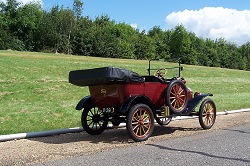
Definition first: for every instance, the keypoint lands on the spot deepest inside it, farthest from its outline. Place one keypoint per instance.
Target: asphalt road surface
(229, 146)
(181, 142)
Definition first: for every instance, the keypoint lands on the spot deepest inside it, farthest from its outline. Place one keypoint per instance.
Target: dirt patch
(35, 150)
(4, 93)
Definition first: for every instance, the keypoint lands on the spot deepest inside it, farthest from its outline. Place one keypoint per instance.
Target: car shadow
(110, 135)
(161, 130)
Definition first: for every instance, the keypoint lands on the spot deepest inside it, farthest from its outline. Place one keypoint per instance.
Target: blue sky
(145, 13)
(229, 19)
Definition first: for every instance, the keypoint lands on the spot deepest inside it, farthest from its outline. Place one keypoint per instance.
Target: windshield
(168, 70)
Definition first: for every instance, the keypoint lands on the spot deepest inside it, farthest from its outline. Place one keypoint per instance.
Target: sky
(228, 19)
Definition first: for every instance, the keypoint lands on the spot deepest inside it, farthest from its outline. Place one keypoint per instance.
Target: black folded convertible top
(103, 76)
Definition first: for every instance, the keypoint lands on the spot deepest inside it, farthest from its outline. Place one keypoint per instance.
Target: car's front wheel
(207, 114)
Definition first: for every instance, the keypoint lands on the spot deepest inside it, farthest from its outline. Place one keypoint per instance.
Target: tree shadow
(198, 152)
(240, 131)
(110, 135)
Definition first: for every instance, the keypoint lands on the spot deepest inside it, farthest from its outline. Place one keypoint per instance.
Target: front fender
(192, 104)
(131, 101)
(85, 102)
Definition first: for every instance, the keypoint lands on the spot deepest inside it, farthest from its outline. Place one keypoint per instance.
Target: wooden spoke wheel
(176, 97)
(207, 114)
(94, 120)
(140, 122)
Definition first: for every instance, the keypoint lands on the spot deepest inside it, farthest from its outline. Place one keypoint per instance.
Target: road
(114, 146)
(229, 146)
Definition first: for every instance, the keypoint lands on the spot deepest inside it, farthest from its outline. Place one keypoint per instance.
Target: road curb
(10, 137)
(39, 134)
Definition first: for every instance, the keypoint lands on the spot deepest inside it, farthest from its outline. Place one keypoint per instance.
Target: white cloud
(214, 22)
(134, 26)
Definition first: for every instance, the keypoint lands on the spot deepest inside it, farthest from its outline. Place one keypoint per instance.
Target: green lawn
(35, 94)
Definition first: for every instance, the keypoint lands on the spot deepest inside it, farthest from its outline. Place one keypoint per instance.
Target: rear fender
(85, 102)
(192, 104)
(131, 101)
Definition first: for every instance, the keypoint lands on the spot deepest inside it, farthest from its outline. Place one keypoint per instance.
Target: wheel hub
(140, 122)
(177, 96)
(96, 118)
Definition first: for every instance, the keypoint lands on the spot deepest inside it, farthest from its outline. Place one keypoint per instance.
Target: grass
(35, 94)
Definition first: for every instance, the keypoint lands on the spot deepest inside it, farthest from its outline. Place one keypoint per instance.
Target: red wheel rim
(141, 122)
(177, 96)
(208, 114)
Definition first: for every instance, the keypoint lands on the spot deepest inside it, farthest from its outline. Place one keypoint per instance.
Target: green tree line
(27, 27)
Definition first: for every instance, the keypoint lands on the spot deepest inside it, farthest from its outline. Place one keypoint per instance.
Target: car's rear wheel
(207, 114)
(94, 120)
(140, 122)
(176, 96)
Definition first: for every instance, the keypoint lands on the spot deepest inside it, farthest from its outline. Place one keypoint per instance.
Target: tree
(28, 18)
(10, 10)
(8, 24)
(127, 36)
(83, 37)
(160, 41)
(78, 8)
(245, 52)
(222, 52)
(144, 47)
(56, 28)
(211, 53)
(111, 39)
(180, 46)
(48, 36)
(102, 43)
(234, 57)
(64, 30)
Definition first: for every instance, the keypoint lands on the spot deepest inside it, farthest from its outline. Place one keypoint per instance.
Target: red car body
(106, 96)
(119, 95)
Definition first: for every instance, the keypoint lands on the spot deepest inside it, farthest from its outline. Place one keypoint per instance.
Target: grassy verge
(35, 94)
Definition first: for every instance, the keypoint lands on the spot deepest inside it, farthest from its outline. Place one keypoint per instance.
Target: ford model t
(118, 95)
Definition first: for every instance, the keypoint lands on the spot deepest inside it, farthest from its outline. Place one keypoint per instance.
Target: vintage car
(121, 96)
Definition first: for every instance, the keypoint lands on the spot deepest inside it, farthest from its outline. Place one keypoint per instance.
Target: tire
(207, 114)
(94, 121)
(162, 120)
(140, 122)
(176, 97)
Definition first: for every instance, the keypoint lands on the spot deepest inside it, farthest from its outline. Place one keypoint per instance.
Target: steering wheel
(160, 73)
